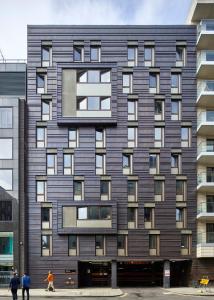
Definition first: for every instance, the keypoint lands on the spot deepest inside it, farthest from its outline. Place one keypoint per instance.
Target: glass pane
(131, 188)
(126, 80)
(147, 214)
(93, 76)
(152, 80)
(45, 107)
(131, 133)
(45, 53)
(82, 213)
(126, 161)
(210, 145)
(40, 134)
(45, 242)
(179, 53)
(179, 187)
(6, 245)
(105, 213)
(82, 76)
(40, 187)
(72, 241)
(210, 174)
(131, 107)
(174, 160)
(45, 214)
(93, 103)
(82, 104)
(72, 134)
(105, 76)
(152, 241)
(210, 203)
(6, 179)
(104, 187)
(5, 210)
(131, 53)
(6, 148)
(105, 103)
(95, 53)
(148, 53)
(6, 117)
(99, 161)
(93, 213)
(99, 241)
(210, 116)
(50, 160)
(40, 81)
(158, 131)
(152, 161)
(179, 214)
(174, 80)
(184, 133)
(121, 241)
(158, 107)
(158, 187)
(99, 134)
(77, 188)
(131, 214)
(174, 107)
(67, 160)
(77, 53)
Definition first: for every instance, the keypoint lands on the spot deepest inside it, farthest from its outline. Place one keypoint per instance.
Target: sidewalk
(86, 292)
(209, 291)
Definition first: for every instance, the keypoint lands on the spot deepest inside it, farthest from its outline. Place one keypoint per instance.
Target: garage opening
(94, 274)
(132, 274)
(180, 273)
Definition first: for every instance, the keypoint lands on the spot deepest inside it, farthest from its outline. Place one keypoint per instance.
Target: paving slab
(86, 292)
(209, 291)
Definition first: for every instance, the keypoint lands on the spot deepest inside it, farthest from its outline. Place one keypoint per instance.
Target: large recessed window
(6, 243)
(5, 210)
(94, 76)
(6, 148)
(6, 117)
(6, 179)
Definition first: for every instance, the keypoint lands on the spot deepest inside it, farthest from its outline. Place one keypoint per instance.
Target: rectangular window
(210, 145)
(210, 204)
(127, 83)
(181, 190)
(209, 232)
(175, 83)
(41, 191)
(132, 190)
(180, 56)
(210, 174)
(154, 83)
(132, 110)
(149, 56)
(186, 244)
(94, 76)
(159, 137)
(127, 164)
(100, 245)
(132, 217)
(149, 217)
(6, 148)
(185, 137)
(72, 245)
(100, 164)
(73, 138)
(175, 163)
(41, 83)
(93, 103)
(46, 245)
(46, 110)
(51, 164)
(6, 117)
(132, 137)
(6, 179)
(132, 56)
(154, 244)
(122, 245)
(78, 190)
(46, 217)
(159, 190)
(180, 217)
(175, 110)
(159, 110)
(95, 53)
(105, 190)
(67, 164)
(46, 56)
(6, 211)
(154, 163)
(41, 137)
(100, 138)
(6, 243)
(78, 53)
(94, 213)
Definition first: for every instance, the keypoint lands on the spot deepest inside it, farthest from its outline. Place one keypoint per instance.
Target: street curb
(188, 294)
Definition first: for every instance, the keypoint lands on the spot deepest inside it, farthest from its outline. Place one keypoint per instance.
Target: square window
(6, 117)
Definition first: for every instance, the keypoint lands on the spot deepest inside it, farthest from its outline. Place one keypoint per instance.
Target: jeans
(23, 293)
(14, 294)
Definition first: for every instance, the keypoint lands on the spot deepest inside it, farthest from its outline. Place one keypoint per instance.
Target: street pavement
(135, 294)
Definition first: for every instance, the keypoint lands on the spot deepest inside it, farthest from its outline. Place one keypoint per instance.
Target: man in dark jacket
(14, 285)
(25, 285)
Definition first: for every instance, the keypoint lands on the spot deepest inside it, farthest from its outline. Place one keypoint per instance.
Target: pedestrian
(50, 280)
(25, 285)
(14, 285)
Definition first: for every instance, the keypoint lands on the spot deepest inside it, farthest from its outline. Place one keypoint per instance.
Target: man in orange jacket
(50, 280)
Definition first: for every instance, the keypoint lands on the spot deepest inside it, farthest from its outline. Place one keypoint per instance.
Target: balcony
(205, 153)
(206, 123)
(206, 35)
(205, 68)
(205, 93)
(205, 244)
(206, 212)
(205, 183)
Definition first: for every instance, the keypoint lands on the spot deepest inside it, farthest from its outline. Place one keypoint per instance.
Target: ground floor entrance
(94, 274)
(5, 275)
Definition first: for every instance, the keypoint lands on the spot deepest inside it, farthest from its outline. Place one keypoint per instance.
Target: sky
(16, 14)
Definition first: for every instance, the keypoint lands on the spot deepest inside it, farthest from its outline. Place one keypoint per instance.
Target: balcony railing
(205, 238)
(205, 25)
(205, 86)
(205, 178)
(205, 56)
(206, 116)
(206, 207)
(204, 147)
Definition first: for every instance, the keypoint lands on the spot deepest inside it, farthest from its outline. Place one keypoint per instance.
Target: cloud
(16, 14)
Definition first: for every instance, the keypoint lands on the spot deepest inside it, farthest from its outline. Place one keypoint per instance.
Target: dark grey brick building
(111, 170)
